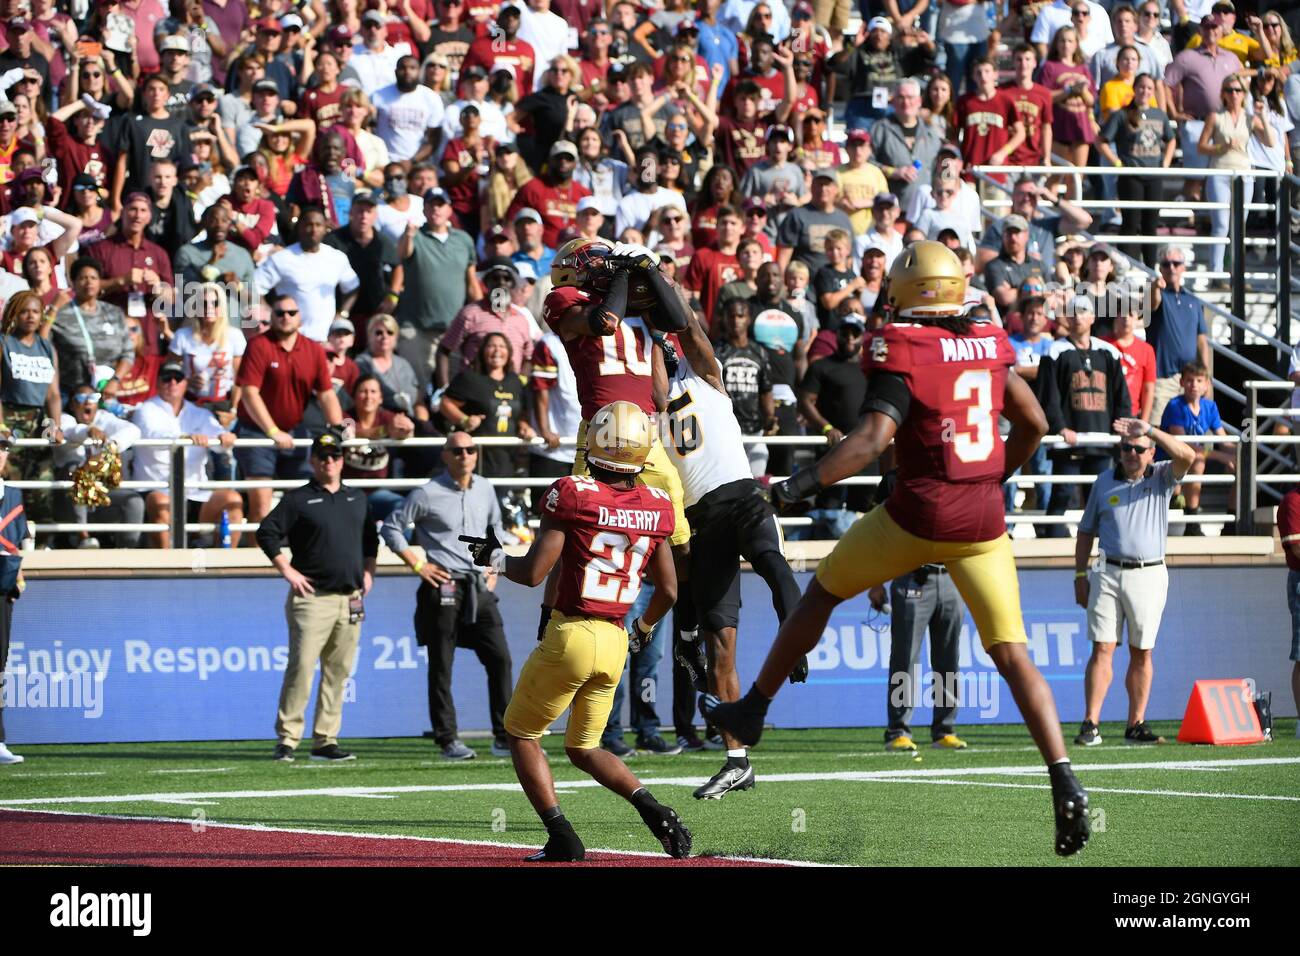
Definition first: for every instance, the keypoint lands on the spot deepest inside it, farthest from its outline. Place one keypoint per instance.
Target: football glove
(631, 255)
(639, 635)
(671, 361)
(690, 653)
(801, 485)
(486, 551)
(752, 510)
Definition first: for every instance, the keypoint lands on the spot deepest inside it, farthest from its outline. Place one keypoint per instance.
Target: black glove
(694, 660)
(671, 361)
(483, 550)
(752, 510)
(637, 638)
(801, 485)
(800, 673)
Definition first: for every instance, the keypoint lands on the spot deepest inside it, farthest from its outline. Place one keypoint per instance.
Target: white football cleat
(7, 756)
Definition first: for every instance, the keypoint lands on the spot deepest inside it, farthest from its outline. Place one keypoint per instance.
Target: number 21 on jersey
(614, 572)
(975, 386)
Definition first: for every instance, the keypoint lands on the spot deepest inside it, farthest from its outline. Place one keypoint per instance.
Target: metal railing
(181, 529)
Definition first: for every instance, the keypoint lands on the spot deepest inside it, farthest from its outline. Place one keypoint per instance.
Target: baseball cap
(590, 202)
(858, 135)
(526, 269)
(687, 26)
(21, 215)
(373, 16)
(84, 181)
(203, 89)
(138, 194)
(366, 196)
(174, 45)
(266, 86)
(327, 445)
(880, 23)
(497, 264)
(563, 147)
(779, 129)
(473, 72)
(270, 25)
(291, 21)
(853, 318)
(507, 7)
(496, 232)
(528, 213)
(172, 368)
(340, 36)
(885, 199)
(666, 253)
(436, 194)
(1223, 6)
(1081, 303)
(8, 109)
(1015, 222)
(508, 68)
(342, 325)
(20, 24)
(801, 11)
(827, 173)
(753, 203)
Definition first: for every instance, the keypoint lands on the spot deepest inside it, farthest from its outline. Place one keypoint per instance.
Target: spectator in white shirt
(1059, 14)
(85, 426)
(311, 272)
(882, 235)
(376, 62)
(548, 33)
(409, 115)
(636, 207)
(169, 415)
(473, 83)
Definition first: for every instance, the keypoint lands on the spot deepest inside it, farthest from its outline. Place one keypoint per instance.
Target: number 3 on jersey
(614, 572)
(975, 386)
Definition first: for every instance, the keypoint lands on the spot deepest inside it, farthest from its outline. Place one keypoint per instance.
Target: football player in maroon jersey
(937, 385)
(600, 530)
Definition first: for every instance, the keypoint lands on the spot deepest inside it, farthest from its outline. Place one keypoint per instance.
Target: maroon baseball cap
(858, 135)
(269, 24)
(340, 36)
(20, 24)
(801, 11)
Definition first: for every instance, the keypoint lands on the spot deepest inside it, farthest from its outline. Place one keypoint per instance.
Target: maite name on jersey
(969, 349)
(630, 518)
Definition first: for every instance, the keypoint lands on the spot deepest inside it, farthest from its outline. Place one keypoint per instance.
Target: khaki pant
(1166, 390)
(420, 348)
(318, 631)
(832, 14)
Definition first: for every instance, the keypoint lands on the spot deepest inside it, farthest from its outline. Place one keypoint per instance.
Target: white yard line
(32, 776)
(198, 827)
(849, 776)
(1092, 790)
(196, 770)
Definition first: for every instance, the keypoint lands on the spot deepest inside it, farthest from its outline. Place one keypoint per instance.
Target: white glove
(10, 77)
(633, 250)
(101, 110)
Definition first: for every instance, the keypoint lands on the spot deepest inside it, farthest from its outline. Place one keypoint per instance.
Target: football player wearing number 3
(937, 385)
(600, 532)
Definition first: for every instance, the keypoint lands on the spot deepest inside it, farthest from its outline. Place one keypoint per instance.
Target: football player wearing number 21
(937, 384)
(598, 531)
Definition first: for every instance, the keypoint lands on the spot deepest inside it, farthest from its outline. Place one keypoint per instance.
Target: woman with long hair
(1226, 141)
(371, 420)
(464, 159)
(758, 23)
(1065, 74)
(88, 206)
(211, 349)
(30, 399)
(720, 188)
(1118, 92)
(380, 359)
(100, 77)
(286, 152)
(29, 127)
(1266, 100)
(489, 400)
(354, 113)
(1279, 38)
(938, 108)
(39, 271)
(509, 172)
(140, 382)
(436, 75)
(1099, 282)
(604, 175)
(1139, 135)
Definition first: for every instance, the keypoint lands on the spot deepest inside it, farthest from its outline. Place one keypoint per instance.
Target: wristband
(1080, 574)
(273, 432)
(418, 566)
(827, 428)
(642, 628)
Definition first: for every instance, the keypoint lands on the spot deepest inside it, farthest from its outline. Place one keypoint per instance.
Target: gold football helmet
(927, 280)
(619, 438)
(578, 262)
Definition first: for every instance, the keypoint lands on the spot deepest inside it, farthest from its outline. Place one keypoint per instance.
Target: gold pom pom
(101, 473)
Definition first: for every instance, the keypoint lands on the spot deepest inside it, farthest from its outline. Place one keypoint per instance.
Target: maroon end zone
(57, 839)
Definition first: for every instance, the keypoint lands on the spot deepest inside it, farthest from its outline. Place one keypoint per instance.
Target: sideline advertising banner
(202, 657)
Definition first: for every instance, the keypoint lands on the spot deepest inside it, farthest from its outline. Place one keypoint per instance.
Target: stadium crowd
(376, 190)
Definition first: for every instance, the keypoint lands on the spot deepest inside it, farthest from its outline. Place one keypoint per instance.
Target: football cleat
(669, 830)
(949, 742)
(725, 780)
(741, 718)
(1140, 733)
(899, 745)
(562, 846)
(1089, 734)
(800, 673)
(1070, 803)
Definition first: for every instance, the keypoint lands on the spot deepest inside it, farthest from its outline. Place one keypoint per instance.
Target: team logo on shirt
(160, 143)
(879, 349)
(1113, 500)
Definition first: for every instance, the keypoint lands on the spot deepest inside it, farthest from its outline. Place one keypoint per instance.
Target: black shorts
(717, 547)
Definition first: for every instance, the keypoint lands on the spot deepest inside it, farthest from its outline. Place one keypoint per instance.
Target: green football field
(823, 796)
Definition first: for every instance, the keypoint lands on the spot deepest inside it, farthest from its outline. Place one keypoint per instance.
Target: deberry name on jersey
(701, 435)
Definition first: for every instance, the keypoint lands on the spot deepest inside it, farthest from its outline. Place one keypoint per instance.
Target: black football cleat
(729, 778)
(743, 718)
(669, 830)
(562, 846)
(1073, 828)
(800, 673)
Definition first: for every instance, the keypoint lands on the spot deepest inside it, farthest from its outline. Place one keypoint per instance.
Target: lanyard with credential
(90, 345)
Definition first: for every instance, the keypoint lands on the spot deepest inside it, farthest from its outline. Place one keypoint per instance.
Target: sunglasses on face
(1082, 13)
(87, 398)
(1129, 448)
(1233, 89)
(1172, 263)
(133, 330)
(91, 75)
(463, 452)
(672, 218)
(329, 454)
(382, 330)
(1273, 24)
(284, 312)
(8, 119)
(171, 378)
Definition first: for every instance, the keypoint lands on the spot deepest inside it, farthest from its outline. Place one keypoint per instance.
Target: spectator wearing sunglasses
(140, 382)
(455, 604)
(86, 428)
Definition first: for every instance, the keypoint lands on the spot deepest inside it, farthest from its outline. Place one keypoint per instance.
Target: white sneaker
(7, 756)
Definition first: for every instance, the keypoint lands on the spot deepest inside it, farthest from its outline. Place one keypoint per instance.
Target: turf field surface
(823, 797)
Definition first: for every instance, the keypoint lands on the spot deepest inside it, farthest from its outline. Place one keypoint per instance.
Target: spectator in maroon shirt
(281, 372)
(75, 140)
(254, 213)
(137, 273)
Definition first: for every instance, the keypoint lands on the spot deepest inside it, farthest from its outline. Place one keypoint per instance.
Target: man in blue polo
(1177, 331)
(1129, 510)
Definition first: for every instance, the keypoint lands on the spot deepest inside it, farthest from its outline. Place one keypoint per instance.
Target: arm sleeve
(888, 393)
(670, 313)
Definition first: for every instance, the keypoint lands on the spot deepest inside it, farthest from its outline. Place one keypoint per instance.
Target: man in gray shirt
(1129, 509)
(454, 605)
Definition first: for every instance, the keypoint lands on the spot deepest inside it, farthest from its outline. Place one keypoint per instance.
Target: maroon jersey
(609, 538)
(985, 125)
(1034, 107)
(950, 455)
(607, 368)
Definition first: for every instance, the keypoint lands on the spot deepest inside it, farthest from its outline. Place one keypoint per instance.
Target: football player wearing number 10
(600, 532)
(937, 385)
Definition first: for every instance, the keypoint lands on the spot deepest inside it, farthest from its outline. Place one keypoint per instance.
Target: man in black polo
(334, 547)
(373, 256)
